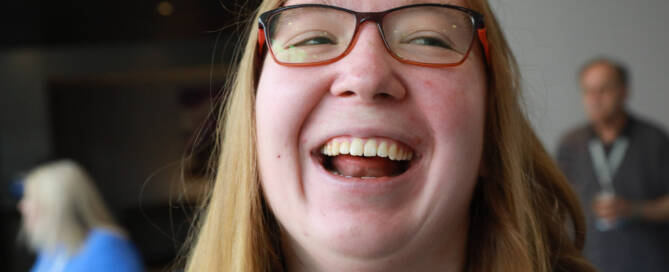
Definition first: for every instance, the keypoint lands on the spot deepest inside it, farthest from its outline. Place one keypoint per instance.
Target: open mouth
(365, 158)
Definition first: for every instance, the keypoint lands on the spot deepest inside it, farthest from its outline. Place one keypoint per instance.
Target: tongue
(365, 166)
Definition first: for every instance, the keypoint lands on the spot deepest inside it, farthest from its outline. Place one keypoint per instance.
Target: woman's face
(368, 206)
(29, 210)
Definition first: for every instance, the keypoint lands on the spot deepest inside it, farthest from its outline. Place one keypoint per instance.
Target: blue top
(102, 251)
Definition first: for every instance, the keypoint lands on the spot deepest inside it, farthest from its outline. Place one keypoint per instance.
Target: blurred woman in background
(66, 222)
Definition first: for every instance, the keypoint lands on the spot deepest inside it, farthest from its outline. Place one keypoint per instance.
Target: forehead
(375, 5)
(600, 70)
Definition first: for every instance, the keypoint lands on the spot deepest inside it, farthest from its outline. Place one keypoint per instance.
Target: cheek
(284, 103)
(276, 128)
(588, 99)
(278, 118)
(453, 107)
(609, 100)
(282, 106)
(454, 104)
(591, 100)
(616, 99)
(31, 214)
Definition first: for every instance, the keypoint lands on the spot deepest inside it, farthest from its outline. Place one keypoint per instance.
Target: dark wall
(103, 83)
(63, 23)
(125, 125)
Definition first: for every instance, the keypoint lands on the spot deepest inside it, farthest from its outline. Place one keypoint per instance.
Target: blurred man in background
(619, 166)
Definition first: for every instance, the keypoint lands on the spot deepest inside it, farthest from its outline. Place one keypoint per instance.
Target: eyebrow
(331, 2)
(402, 3)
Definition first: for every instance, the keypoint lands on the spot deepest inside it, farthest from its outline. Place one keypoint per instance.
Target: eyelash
(310, 41)
(429, 41)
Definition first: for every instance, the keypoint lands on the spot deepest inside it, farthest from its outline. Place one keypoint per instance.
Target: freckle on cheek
(278, 156)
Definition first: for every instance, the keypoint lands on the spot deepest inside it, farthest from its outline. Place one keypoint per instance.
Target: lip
(371, 186)
(354, 185)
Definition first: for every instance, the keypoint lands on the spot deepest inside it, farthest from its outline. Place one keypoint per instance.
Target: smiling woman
(382, 136)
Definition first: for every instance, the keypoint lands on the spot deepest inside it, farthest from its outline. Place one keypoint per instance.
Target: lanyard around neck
(605, 168)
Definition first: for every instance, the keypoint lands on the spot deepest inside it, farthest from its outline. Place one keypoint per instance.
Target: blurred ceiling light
(165, 8)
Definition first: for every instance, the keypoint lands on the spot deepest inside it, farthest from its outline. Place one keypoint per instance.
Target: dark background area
(59, 23)
(122, 87)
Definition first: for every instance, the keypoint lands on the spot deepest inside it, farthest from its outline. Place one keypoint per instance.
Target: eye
(315, 40)
(429, 41)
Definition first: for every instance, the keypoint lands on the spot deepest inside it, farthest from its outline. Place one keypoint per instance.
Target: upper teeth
(368, 148)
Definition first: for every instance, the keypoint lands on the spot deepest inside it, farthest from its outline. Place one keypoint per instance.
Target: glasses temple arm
(261, 41)
(483, 38)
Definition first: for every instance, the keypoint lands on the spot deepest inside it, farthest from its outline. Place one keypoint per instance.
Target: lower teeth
(399, 169)
(339, 174)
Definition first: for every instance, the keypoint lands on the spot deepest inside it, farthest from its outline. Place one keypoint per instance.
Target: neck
(608, 130)
(445, 252)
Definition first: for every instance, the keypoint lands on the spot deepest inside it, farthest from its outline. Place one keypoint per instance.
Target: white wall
(552, 39)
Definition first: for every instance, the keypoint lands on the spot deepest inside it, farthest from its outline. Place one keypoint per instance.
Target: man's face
(603, 93)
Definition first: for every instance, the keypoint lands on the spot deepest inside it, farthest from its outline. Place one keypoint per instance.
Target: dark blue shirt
(643, 175)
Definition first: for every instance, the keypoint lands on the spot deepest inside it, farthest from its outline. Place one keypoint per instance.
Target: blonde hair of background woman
(524, 216)
(69, 207)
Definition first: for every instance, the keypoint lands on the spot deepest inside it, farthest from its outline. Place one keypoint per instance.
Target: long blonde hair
(69, 207)
(520, 210)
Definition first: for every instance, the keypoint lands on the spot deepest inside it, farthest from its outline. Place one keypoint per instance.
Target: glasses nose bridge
(369, 16)
(362, 17)
(376, 17)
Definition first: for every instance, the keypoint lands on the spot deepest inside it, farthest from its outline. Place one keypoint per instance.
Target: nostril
(383, 96)
(377, 96)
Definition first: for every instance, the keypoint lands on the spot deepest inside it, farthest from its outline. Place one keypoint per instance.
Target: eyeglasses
(433, 35)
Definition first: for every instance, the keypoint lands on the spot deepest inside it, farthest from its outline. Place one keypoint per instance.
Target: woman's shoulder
(105, 236)
(107, 240)
(105, 247)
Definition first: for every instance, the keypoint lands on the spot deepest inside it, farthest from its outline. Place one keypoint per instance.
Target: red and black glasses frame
(377, 17)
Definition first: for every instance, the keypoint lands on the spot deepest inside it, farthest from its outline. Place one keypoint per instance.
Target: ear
(625, 92)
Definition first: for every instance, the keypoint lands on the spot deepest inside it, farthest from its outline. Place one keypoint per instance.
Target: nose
(368, 73)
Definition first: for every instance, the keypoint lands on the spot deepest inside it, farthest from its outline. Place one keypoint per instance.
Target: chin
(350, 236)
(359, 215)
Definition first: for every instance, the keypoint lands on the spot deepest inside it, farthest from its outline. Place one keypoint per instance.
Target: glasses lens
(433, 35)
(310, 34)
